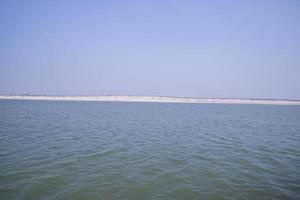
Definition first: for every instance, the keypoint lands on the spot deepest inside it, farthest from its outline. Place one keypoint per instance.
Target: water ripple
(94, 150)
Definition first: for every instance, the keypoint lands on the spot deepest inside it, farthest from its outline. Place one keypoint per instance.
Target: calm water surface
(102, 150)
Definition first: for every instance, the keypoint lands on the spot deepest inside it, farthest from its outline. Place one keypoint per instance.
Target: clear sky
(210, 48)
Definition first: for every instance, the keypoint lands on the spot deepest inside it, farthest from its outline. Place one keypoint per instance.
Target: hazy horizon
(213, 49)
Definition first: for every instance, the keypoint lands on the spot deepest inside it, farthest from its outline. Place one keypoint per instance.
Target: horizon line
(143, 95)
(159, 98)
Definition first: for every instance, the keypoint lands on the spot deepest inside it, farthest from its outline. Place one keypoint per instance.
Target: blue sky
(171, 48)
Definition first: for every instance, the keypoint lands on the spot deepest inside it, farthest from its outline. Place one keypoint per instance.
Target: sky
(215, 48)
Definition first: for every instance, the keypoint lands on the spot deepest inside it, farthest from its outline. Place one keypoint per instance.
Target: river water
(111, 150)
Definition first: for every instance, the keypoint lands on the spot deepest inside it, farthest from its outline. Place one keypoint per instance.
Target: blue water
(102, 150)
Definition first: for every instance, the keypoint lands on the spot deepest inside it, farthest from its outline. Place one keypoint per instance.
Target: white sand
(155, 99)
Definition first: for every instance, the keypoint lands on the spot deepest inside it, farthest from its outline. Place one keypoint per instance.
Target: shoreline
(157, 99)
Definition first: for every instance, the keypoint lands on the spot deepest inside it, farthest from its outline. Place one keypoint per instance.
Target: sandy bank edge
(153, 99)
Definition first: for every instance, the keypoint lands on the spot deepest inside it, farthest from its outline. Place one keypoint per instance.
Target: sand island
(160, 99)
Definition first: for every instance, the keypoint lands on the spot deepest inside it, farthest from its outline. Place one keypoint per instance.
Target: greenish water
(95, 150)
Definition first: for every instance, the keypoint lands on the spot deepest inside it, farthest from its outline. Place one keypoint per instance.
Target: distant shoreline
(158, 99)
